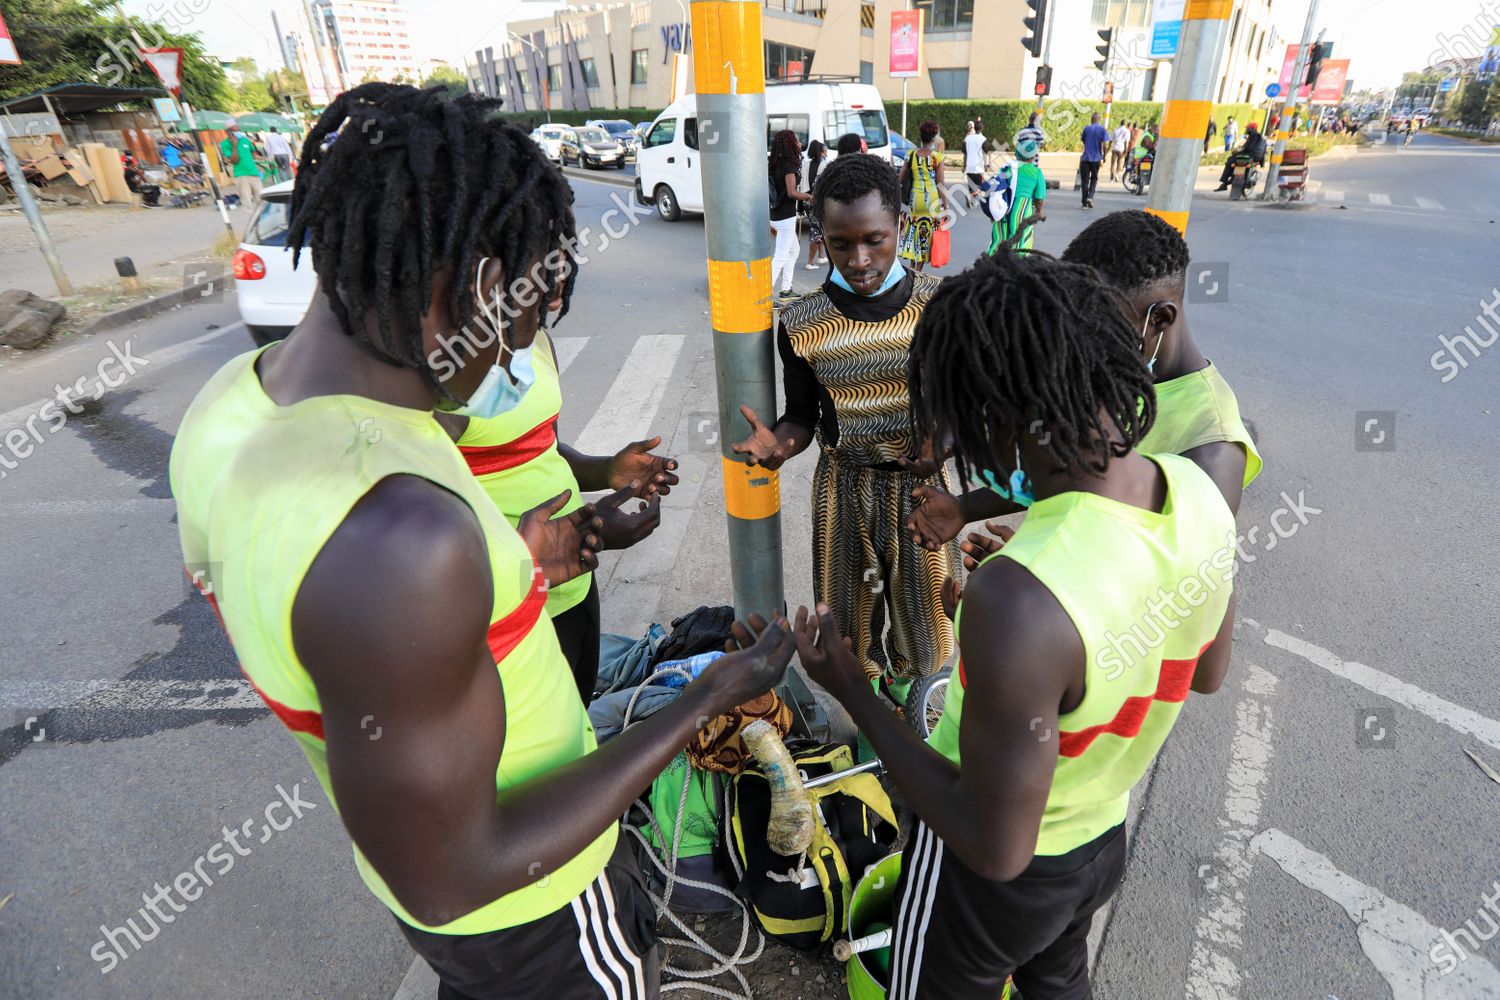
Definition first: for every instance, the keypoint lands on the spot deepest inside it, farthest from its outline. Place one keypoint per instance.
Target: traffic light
(1035, 24)
(1043, 81)
(1107, 36)
(1314, 63)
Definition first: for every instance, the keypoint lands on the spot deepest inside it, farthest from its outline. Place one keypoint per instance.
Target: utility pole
(729, 73)
(1288, 100)
(1184, 120)
(33, 214)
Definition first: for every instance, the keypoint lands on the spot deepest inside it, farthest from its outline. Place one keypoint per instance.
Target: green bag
(803, 901)
(700, 817)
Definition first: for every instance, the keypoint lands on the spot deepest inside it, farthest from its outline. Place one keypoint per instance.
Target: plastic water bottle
(694, 665)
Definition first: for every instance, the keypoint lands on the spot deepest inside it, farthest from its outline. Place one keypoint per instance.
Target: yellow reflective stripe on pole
(739, 299)
(728, 34)
(1207, 10)
(1177, 220)
(1276, 157)
(750, 491)
(1185, 119)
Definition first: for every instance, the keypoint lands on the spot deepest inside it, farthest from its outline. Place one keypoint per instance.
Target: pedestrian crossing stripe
(1380, 199)
(1429, 203)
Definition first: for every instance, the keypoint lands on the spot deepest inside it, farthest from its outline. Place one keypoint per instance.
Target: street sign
(1273, 89)
(906, 43)
(166, 109)
(8, 54)
(1166, 27)
(167, 65)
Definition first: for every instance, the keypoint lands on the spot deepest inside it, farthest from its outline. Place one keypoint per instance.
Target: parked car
(668, 165)
(592, 147)
(619, 129)
(550, 138)
(272, 295)
(901, 148)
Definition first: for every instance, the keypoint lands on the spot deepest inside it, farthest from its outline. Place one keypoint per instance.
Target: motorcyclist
(1254, 146)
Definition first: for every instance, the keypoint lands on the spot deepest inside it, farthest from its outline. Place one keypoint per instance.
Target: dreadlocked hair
(1132, 249)
(395, 183)
(1019, 339)
(852, 176)
(784, 151)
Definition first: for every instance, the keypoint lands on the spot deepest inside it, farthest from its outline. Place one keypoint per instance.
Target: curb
(142, 310)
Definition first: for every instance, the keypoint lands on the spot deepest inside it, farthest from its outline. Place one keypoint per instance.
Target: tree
(448, 77)
(1471, 107)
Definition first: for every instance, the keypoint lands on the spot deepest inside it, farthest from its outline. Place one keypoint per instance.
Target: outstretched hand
(825, 654)
(936, 519)
(621, 528)
(653, 474)
(755, 660)
(563, 547)
(762, 447)
(978, 546)
(927, 462)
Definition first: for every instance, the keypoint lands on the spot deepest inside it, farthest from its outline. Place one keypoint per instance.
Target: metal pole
(23, 195)
(1298, 71)
(1041, 99)
(185, 111)
(729, 74)
(1179, 145)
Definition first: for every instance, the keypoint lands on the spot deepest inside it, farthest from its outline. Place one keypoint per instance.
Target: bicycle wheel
(925, 701)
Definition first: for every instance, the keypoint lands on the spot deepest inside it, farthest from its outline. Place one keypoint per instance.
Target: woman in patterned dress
(928, 202)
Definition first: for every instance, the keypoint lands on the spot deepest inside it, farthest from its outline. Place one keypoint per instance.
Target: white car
(550, 138)
(273, 296)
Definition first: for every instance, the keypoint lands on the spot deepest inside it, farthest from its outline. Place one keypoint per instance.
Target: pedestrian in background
(280, 152)
(1119, 142)
(926, 199)
(1135, 134)
(1208, 136)
(238, 154)
(1231, 134)
(1094, 138)
(1017, 227)
(816, 154)
(786, 170)
(974, 160)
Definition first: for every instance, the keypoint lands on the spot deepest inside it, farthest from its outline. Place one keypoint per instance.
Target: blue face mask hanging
(1016, 492)
(892, 279)
(500, 391)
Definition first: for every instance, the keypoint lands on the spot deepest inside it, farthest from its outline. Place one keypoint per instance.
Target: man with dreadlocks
(844, 354)
(379, 602)
(1197, 415)
(1022, 791)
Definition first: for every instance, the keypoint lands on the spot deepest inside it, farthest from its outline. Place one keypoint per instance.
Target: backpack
(805, 901)
(998, 193)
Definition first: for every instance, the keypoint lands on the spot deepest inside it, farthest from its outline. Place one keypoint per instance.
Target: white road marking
(168, 355)
(1429, 203)
(1398, 941)
(1454, 716)
(567, 350)
(1333, 196)
(1380, 199)
(145, 695)
(631, 403)
(1212, 973)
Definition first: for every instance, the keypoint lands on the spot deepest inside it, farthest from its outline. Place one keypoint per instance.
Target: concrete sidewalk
(88, 240)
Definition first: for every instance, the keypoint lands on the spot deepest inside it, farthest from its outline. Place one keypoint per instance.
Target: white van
(668, 164)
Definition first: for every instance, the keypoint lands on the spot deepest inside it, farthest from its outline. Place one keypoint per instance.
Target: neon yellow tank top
(260, 489)
(515, 458)
(1107, 563)
(1196, 409)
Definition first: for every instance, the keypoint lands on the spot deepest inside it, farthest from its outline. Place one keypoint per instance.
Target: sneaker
(1222, 187)
(811, 267)
(787, 294)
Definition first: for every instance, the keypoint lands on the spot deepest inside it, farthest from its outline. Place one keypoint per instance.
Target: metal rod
(185, 112)
(1289, 99)
(828, 779)
(1179, 146)
(22, 191)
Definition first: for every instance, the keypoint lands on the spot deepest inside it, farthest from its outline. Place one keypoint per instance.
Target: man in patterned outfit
(844, 355)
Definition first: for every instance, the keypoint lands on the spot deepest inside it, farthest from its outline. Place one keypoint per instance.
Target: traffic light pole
(729, 75)
(1289, 99)
(1179, 147)
(22, 191)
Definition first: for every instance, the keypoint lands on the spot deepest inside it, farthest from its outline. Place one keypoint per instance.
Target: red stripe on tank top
(494, 458)
(1172, 686)
(506, 634)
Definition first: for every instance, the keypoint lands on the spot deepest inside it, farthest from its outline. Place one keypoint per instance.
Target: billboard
(1289, 66)
(1330, 86)
(1489, 63)
(906, 43)
(8, 54)
(1166, 27)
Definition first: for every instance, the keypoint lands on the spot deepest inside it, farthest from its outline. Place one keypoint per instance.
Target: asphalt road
(1310, 831)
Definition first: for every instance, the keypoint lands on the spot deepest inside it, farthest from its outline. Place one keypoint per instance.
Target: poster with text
(906, 43)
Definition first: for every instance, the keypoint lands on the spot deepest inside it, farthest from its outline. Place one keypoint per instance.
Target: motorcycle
(1245, 176)
(1138, 174)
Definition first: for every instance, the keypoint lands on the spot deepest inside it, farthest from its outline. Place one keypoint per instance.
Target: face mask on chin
(892, 279)
(500, 391)
(1016, 488)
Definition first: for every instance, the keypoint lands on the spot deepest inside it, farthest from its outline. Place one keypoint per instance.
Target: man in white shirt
(1117, 143)
(974, 160)
(278, 149)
